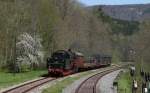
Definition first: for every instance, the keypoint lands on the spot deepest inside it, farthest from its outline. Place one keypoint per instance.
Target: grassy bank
(124, 83)
(9, 79)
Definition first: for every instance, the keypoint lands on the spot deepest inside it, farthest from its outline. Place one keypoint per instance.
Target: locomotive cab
(78, 62)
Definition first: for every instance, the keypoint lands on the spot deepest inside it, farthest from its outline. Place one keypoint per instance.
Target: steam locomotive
(66, 62)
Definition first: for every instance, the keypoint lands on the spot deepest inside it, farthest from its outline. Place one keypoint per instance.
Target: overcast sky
(113, 2)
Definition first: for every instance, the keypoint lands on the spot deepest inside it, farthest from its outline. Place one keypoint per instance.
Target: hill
(137, 12)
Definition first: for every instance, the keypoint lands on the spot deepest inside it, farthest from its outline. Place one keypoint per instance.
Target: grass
(124, 83)
(59, 86)
(9, 79)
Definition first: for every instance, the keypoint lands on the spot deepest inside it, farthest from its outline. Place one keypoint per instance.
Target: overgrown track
(29, 86)
(89, 85)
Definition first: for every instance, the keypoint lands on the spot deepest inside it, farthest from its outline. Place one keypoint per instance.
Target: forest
(31, 30)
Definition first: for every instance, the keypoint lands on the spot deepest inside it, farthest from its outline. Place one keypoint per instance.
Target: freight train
(66, 62)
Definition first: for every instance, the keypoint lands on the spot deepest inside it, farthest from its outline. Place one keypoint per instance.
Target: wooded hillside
(30, 30)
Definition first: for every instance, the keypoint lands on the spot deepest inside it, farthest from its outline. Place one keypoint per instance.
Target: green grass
(9, 79)
(124, 83)
(59, 86)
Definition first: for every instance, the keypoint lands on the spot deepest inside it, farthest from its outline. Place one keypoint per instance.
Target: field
(9, 79)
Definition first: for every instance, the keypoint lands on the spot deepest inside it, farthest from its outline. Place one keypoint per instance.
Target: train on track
(66, 62)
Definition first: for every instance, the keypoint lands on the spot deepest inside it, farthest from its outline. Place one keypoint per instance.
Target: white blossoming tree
(29, 52)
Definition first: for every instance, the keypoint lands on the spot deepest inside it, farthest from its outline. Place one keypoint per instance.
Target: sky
(112, 2)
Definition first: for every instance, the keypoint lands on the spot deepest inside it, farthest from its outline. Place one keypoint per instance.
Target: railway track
(89, 85)
(29, 86)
